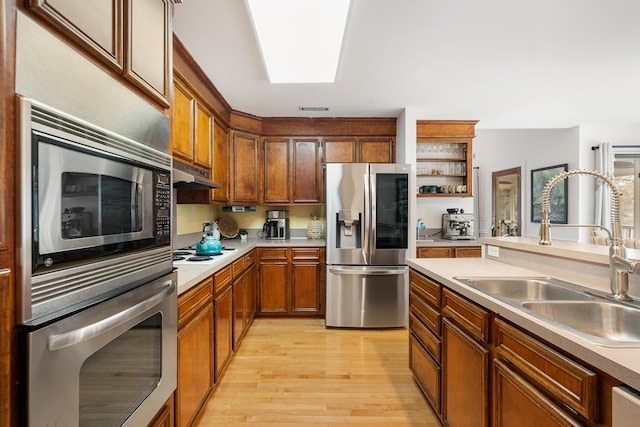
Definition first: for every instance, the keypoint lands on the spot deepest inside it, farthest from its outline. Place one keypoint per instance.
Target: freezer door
(367, 297)
(389, 186)
(347, 220)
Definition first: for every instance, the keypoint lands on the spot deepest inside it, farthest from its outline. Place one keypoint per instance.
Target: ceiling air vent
(313, 108)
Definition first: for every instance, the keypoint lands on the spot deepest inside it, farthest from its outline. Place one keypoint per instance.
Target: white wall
(499, 149)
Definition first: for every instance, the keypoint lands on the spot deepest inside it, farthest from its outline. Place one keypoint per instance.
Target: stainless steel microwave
(95, 211)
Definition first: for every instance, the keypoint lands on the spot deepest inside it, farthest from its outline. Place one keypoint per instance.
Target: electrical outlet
(493, 251)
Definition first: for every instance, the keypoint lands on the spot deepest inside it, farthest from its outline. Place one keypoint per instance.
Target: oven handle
(67, 339)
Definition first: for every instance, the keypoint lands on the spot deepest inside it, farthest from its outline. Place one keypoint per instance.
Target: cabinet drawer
(427, 373)
(468, 252)
(430, 342)
(423, 311)
(467, 315)
(191, 301)
(554, 374)
(435, 252)
(237, 267)
(273, 254)
(222, 279)
(305, 254)
(427, 289)
(250, 259)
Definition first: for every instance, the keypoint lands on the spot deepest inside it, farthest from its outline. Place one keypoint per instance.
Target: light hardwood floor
(295, 372)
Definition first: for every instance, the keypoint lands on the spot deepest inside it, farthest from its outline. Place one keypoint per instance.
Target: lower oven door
(109, 365)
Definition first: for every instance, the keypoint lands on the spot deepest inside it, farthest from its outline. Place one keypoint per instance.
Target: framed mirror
(506, 202)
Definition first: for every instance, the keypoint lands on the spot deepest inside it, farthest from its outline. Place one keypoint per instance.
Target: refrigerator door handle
(366, 218)
(368, 271)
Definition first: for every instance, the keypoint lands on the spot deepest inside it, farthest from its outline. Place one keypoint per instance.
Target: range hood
(189, 178)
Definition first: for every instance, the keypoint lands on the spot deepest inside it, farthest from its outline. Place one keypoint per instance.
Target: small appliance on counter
(457, 226)
(276, 225)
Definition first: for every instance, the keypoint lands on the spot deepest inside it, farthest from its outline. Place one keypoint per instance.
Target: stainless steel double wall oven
(97, 297)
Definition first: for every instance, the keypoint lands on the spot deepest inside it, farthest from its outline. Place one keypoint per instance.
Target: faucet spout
(619, 265)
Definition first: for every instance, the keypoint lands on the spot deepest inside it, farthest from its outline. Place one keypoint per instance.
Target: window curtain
(604, 165)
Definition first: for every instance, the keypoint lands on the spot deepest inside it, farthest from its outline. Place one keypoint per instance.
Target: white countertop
(192, 274)
(621, 363)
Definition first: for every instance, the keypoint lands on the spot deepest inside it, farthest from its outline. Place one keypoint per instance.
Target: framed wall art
(558, 197)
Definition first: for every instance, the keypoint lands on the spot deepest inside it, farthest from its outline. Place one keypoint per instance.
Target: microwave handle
(67, 339)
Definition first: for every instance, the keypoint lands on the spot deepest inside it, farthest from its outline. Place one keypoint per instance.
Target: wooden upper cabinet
(220, 163)
(204, 137)
(276, 165)
(307, 171)
(148, 46)
(182, 125)
(97, 28)
(192, 137)
(132, 37)
(339, 150)
(244, 168)
(376, 150)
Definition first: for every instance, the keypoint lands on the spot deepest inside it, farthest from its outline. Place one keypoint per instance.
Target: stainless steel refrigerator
(367, 243)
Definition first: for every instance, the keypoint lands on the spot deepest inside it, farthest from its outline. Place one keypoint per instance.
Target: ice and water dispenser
(349, 230)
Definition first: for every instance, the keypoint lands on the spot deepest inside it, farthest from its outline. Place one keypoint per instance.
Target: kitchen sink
(525, 289)
(601, 322)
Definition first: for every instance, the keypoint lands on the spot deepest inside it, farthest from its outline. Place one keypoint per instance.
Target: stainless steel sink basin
(601, 322)
(527, 288)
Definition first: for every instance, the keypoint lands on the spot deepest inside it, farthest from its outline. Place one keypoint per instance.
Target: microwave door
(75, 187)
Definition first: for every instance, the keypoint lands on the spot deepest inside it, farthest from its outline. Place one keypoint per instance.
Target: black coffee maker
(276, 225)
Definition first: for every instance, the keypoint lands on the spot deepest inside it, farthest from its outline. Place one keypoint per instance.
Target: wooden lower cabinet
(243, 303)
(195, 352)
(165, 416)
(465, 378)
(482, 370)
(449, 252)
(291, 281)
(223, 330)
(517, 403)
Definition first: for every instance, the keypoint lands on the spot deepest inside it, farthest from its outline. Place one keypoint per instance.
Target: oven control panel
(162, 209)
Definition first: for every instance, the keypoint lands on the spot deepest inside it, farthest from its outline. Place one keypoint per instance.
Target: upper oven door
(84, 198)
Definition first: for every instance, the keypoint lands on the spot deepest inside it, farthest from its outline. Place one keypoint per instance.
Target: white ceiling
(507, 63)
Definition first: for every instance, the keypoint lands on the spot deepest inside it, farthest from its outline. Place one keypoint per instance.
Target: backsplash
(190, 217)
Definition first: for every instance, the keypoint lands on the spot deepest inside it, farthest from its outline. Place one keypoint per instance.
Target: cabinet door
(274, 282)
(182, 126)
(465, 378)
(223, 330)
(204, 137)
(307, 171)
(239, 304)
(195, 367)
(277, 183)
(250, 283)
(305, 289)
(220, 163)
(97, 28)
(375, 150)
(338, 150)
(517, 403)
(244, 171)
(148, 46)
(165, 416)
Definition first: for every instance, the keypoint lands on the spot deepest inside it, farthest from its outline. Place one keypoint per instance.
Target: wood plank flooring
(296, 372)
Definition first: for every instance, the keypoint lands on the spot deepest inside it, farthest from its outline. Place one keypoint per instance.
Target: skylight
(300, 39)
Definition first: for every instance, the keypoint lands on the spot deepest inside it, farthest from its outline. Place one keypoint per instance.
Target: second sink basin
(526, 288)
(606, 323)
